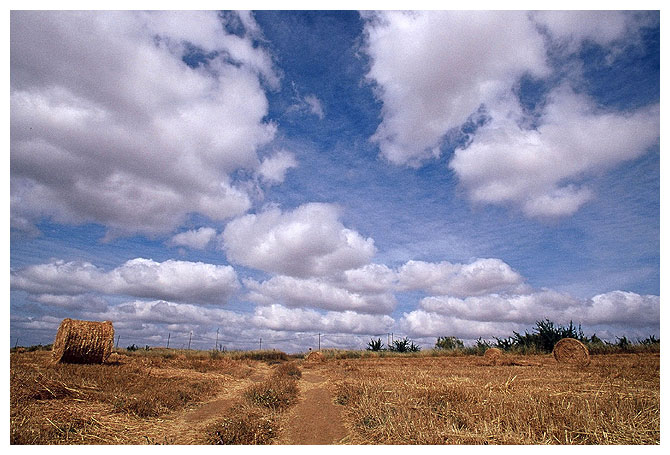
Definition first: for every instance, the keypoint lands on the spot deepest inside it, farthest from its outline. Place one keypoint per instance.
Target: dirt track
(314, 419)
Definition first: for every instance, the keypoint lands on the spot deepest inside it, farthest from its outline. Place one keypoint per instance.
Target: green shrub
(375, 345)
(448, 343)
(404, 345)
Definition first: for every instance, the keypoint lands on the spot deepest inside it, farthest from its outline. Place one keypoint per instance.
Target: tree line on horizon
(541, 340)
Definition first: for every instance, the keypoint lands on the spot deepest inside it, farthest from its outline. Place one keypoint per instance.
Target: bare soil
(315, 419)
(189, 426)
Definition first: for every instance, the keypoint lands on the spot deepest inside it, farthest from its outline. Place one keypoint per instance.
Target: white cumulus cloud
(538, 169)
(432, 70)
(435, 71)
(273, 168)
(110, 125)
(181, 281)
(571, 28)
(317, 293)
(497, 315)
(482, 276)
(196, 239)
(278, 317)
(307, 241)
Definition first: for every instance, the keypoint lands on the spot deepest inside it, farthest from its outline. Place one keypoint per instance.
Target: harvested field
(203, 399)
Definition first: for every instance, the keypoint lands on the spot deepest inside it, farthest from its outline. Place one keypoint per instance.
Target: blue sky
(279, 174)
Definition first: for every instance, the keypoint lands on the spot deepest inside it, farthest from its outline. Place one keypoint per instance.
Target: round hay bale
(571, 351)
(315, 356)
(493, 355)
(83, 341)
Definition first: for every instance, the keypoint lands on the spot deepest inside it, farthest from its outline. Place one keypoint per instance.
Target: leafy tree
(448, 343)
(504, 343)
(543, 338)
(624, 343)
(404, 345)
(375, 345)
(651, 339)
(595, 340)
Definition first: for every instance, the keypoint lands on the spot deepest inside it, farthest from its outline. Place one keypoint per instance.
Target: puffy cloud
(483, 276)
(420, 323)
(273, 168)
(506, 163)
(44, 323)
(432, 70)
(196, 239)
(85, 302)
(498, 315)
(371, 278)
(319, 293)
(172, 280)
(572, 27)
(525, 308)
(371, 288)
(278, 317)
(308, 241)
(429, 88)
(623, 308)
(162, 312)
(110, 125)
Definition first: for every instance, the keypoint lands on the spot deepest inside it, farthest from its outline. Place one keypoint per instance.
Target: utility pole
(189, 339)
(319, 342)
(168, 343)
(216, 344)
(260, 344)
(117, 341)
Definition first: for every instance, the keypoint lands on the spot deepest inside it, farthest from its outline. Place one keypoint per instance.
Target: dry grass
(246, 425)
(385, 399)
(462, 400)
(254, 419)
(58, 403)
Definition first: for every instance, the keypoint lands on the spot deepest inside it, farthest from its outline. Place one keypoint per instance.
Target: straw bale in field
(83, 341)
(493, 355)
(315, 356)
(569, 350)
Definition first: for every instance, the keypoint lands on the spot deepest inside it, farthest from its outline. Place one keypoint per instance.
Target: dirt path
(315, 419)
(188, 426)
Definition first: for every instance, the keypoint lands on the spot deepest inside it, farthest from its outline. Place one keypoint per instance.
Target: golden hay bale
(315, 356)
(493, 355)
(569, 350)
(83, 341)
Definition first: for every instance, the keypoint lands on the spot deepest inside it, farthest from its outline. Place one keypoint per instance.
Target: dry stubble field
(197, 398)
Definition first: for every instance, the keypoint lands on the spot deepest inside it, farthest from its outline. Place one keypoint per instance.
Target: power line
(218, 340)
